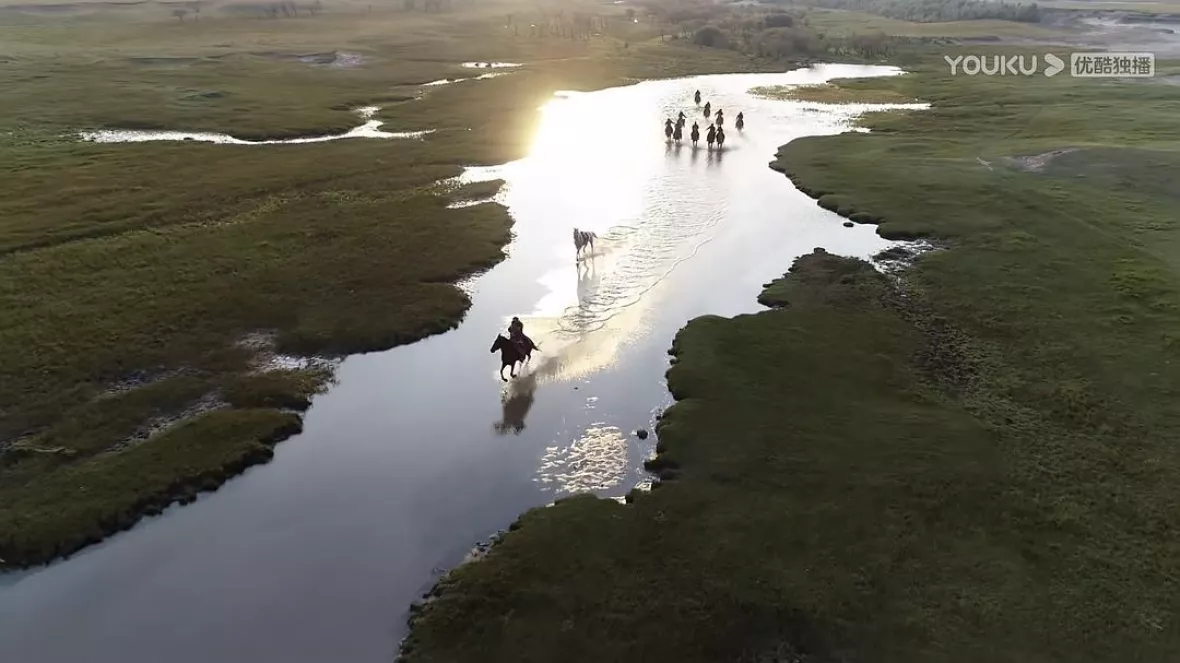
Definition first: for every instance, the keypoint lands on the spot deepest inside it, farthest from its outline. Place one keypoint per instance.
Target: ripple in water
(595, 461)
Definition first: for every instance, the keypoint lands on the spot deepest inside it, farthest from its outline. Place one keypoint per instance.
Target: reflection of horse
(515, 404)
(711, 136)
(720, 138)
(696, 134)
(741, 122)
(587, 282)
(510, 354)
(697, 97)
(582, 239)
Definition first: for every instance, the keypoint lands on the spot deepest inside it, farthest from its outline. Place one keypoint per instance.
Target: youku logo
(1081, 65)
(999, 65)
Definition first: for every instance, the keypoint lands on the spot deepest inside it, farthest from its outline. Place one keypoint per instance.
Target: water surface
(419, 452)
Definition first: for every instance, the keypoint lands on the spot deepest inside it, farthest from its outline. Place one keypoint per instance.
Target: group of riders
(714, 134)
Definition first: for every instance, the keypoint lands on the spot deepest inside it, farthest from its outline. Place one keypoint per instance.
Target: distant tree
(710, 36)
(780, 20)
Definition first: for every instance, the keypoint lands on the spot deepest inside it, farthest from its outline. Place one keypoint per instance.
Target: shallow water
(370, 129)
(419, 452)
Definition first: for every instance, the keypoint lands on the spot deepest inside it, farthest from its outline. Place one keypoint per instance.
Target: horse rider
(668, 126)
(741, 120)
(696, 132)
(680, 120)
(697, 97)
(720, 135)
(720, 118)
(711, 134)
(516, 335)
(708, 108)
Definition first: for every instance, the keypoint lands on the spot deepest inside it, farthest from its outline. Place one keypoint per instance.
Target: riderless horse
(696, 134)
(711, 136)
(582, 239)
(741, 122)
(511, 353)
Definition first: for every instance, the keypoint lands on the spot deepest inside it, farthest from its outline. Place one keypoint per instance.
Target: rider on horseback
(516, 335)
(697, 97)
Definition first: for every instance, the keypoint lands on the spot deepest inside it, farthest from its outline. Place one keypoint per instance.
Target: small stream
(419, 452)
(370, 129)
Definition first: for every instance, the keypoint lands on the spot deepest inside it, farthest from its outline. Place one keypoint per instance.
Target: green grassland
(142, 284)
(975, 462)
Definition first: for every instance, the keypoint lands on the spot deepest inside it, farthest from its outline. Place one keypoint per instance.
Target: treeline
(933, 11)
(778, 35)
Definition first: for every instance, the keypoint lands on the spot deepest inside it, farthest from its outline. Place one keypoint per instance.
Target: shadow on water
(516, 400)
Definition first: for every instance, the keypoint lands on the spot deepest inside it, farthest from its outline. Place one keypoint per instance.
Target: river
(417, 453)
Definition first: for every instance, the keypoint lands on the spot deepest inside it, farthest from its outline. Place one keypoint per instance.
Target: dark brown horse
(511, 353)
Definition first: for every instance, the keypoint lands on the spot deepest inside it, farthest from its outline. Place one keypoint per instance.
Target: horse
(697, 97)
(741, 122)
(668, 130)
(720, 118)
(582, 239)
(680, 121)
(708, 108)
(695, 135)
(510, 353)
(677, 134)
(720, 138)
(711, 136)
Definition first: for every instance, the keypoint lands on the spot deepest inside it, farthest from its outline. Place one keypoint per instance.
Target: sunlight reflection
(595, 461)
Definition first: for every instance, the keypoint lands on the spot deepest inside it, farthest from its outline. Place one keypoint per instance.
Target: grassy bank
(147, 286)
(978, 467)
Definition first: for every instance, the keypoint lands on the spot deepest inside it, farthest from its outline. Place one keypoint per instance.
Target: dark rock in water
(848, 224)
(642, 433)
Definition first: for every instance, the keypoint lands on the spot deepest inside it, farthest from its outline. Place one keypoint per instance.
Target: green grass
(982, 469)
(151, 263)
(111, 492)
(830, 93)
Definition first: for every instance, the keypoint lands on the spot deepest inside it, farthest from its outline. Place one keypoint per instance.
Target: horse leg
(502, 372)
